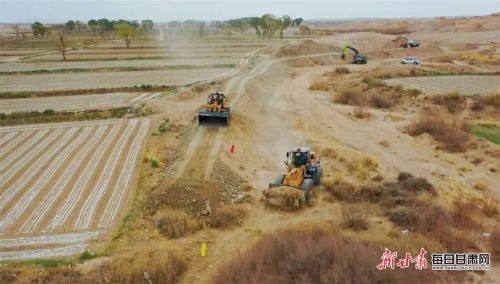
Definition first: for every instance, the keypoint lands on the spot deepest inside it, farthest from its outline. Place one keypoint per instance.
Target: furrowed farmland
(64, 184)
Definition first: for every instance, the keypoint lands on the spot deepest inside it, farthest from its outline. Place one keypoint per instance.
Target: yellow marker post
(203, 249)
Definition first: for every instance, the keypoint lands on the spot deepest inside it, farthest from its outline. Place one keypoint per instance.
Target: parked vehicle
(410, 60)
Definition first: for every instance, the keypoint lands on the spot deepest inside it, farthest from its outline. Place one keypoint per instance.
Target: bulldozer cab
(298, 157)
(216, 112)
(215, 98)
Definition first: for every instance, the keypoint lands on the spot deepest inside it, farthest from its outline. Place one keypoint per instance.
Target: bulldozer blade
(272, 184)
(217, 119)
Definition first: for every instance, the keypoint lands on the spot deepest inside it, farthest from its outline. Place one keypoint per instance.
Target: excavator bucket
(217, 119)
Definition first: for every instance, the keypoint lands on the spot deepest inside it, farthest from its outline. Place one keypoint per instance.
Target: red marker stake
(232, 149)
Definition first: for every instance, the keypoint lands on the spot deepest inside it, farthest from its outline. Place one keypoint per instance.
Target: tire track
(126, 175)
(42, 209)
(25, 201)
(76, 192)
(87, 212)
(191, 148)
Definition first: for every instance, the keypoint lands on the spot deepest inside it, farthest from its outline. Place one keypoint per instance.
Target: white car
(410, 60)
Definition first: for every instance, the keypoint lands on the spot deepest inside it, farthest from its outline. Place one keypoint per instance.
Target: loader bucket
(217, 119)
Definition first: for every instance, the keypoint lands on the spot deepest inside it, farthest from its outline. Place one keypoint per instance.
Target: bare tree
(62, 45)
(16, 29)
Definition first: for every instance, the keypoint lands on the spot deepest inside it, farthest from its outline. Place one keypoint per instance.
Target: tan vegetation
(175, 223)
(229, 216)
(361, 112)
(450, 133)
(311, 255)
(453, 102)
(342, 70)
(158, 265)
(355, 217)
(349, 96)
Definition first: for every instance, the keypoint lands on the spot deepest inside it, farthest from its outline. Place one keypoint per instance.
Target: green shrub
(49, 112)
(154, 163)
(118, 113)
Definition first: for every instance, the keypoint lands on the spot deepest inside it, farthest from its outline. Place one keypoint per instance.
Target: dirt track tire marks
(71, 201)
(42, 180)
(126, 175)
(88, 210)
(40, 212)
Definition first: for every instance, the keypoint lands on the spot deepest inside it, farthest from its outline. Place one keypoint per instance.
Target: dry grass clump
(461, 214)
(482, 103)
(342, 70)
(489, 205)
(453, 102)
(175, 223)
(361, 112)
(494, 241)
(319, 85)
(349, 96)
(229, 216)
(157, 265)
(284, 197)
(389, 194)
(312, 255)
(362, 168)
(412, 92)
(435, 223)
(329, 153)
(355, 217)
(382, 101)
(450, 133)
(373, 82)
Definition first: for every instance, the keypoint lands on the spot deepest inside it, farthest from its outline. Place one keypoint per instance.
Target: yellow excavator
(303, 170)
(216, 112)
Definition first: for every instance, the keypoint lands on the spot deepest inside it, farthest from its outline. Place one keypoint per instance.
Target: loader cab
(215, 97)
(298, 157)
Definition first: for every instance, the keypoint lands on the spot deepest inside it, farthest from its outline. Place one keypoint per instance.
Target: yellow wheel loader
(216, 112)
(303, 170)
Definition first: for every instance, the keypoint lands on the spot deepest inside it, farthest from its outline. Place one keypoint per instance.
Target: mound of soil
(188, 195)
(303, 47)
